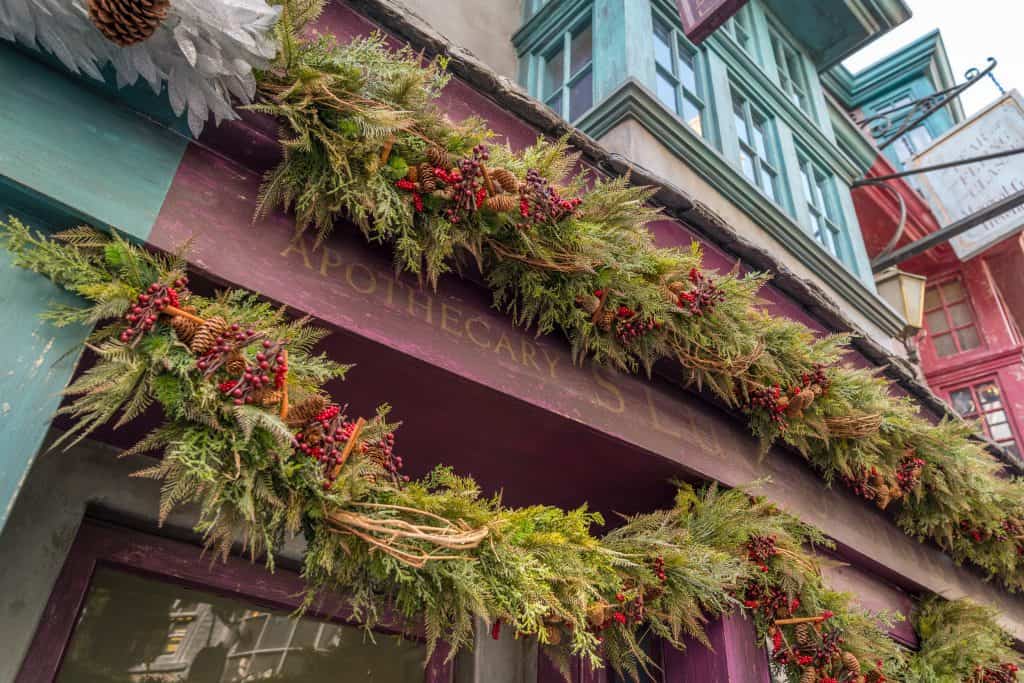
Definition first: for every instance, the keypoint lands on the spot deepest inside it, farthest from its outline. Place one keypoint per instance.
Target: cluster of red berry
(268, 371)
(702, 297)
(768, 400)
(630, 325)
(1004, 673)
(410, 186)
(324, 440)
(761, 549)
(908, 474)
(143, 314)
(861, 482)
(540, 203)
(468, 191)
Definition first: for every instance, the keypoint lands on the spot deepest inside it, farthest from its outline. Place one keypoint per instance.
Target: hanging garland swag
(250, 435)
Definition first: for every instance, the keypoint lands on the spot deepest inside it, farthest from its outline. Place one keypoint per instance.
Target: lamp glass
(905, 293)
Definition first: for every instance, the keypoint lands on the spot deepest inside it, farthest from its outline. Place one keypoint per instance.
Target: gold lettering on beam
(619, 406)
(504, 343)
(330, 258)
(427, 305)
(477, 321)
(368, 276)
(447, 317)
(389, 297)
(298, 245)
(552, 361)
(655, 420)
(529, 353)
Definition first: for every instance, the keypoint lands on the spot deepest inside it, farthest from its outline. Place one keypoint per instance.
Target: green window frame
(679, 83)
(566, 72)
(759, 159)
(824, 213)
(740, 28)
(791, 72)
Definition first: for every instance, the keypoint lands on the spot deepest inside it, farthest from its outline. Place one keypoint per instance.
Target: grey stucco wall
(484, 27)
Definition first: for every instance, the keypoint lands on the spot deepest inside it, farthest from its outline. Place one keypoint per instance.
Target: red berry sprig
(631, 325)
(268, 370)
(144, 313)
(908, 474)
(767, 400)
(539, 202)
(468, 192)
(702, 297)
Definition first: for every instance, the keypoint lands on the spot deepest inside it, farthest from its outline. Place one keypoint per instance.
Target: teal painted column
(72, 152)
(40, 361)
(623, 44)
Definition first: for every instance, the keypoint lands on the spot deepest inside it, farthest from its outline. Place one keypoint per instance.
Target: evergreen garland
(363, 141)
(237, 439)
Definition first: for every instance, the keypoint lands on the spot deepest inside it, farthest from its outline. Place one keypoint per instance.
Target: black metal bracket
(888, 125)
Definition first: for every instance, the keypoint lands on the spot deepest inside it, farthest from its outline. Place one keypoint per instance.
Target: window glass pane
(741, 120)
(931, 298)
(768, 183)
(127, 621)
(988, 396)
(662, 45)
(580, 51)
(952, 291)
(963, 402)
(687, 72)
(581, 96)
(805, 177)
(666, 90)
(748, 165)
(556, 103)
(277, 633)
(691, 114)
(553, 76)
(944, 345)
(968, 338)
(1001, 430)
(936, 321)
(759, 138)
(960, 314)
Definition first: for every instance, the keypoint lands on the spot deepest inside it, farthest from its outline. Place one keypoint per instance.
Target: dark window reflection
(142, 630)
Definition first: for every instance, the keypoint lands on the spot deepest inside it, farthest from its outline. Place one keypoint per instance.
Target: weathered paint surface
(40, 360)
(80, 149)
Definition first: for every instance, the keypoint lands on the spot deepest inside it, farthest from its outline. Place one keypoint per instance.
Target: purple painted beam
(734, 656)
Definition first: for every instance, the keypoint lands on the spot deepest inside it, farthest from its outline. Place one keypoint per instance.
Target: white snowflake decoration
(205, 50)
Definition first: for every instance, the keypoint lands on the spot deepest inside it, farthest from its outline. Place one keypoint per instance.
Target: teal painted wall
(73, 144)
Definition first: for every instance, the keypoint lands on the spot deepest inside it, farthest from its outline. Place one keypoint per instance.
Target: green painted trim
(851, 141)
(544, 26)
(633, 101)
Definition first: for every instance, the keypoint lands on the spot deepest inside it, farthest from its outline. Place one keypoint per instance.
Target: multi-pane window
(741, 28)
(567, 78)
(822, 207)
(678, 83)
(758, 158)
(983, 401)
(792, 77)
(949, 319)
(911, 143)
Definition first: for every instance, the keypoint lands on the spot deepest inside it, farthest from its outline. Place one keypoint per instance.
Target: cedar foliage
(540, 572)
(343, 106)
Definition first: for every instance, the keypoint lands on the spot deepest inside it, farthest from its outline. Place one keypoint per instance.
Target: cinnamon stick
(349, 445)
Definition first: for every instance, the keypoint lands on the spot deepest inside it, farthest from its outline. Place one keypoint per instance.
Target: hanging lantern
(905, 293)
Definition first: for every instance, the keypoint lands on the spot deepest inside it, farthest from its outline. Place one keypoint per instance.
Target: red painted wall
(994, 282)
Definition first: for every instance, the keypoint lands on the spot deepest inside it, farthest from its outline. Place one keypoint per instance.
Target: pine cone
(206, 336)
(266, 397)
(502, 203)
(126, 22)
(439, 157)
(504, 178)
(597, 614)
(428, 179)
(236, 364)
(810, 675)
(677, 287)
(883, 497)
(851, 663)
(304, 412)
(185, 328)
(604, 318)
(803, 635)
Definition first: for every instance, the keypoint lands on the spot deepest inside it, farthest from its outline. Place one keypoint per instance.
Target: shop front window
(983, 402)
(949, 319)
(134, 628)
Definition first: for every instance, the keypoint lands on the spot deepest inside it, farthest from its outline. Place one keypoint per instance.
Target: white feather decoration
(205, 51)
